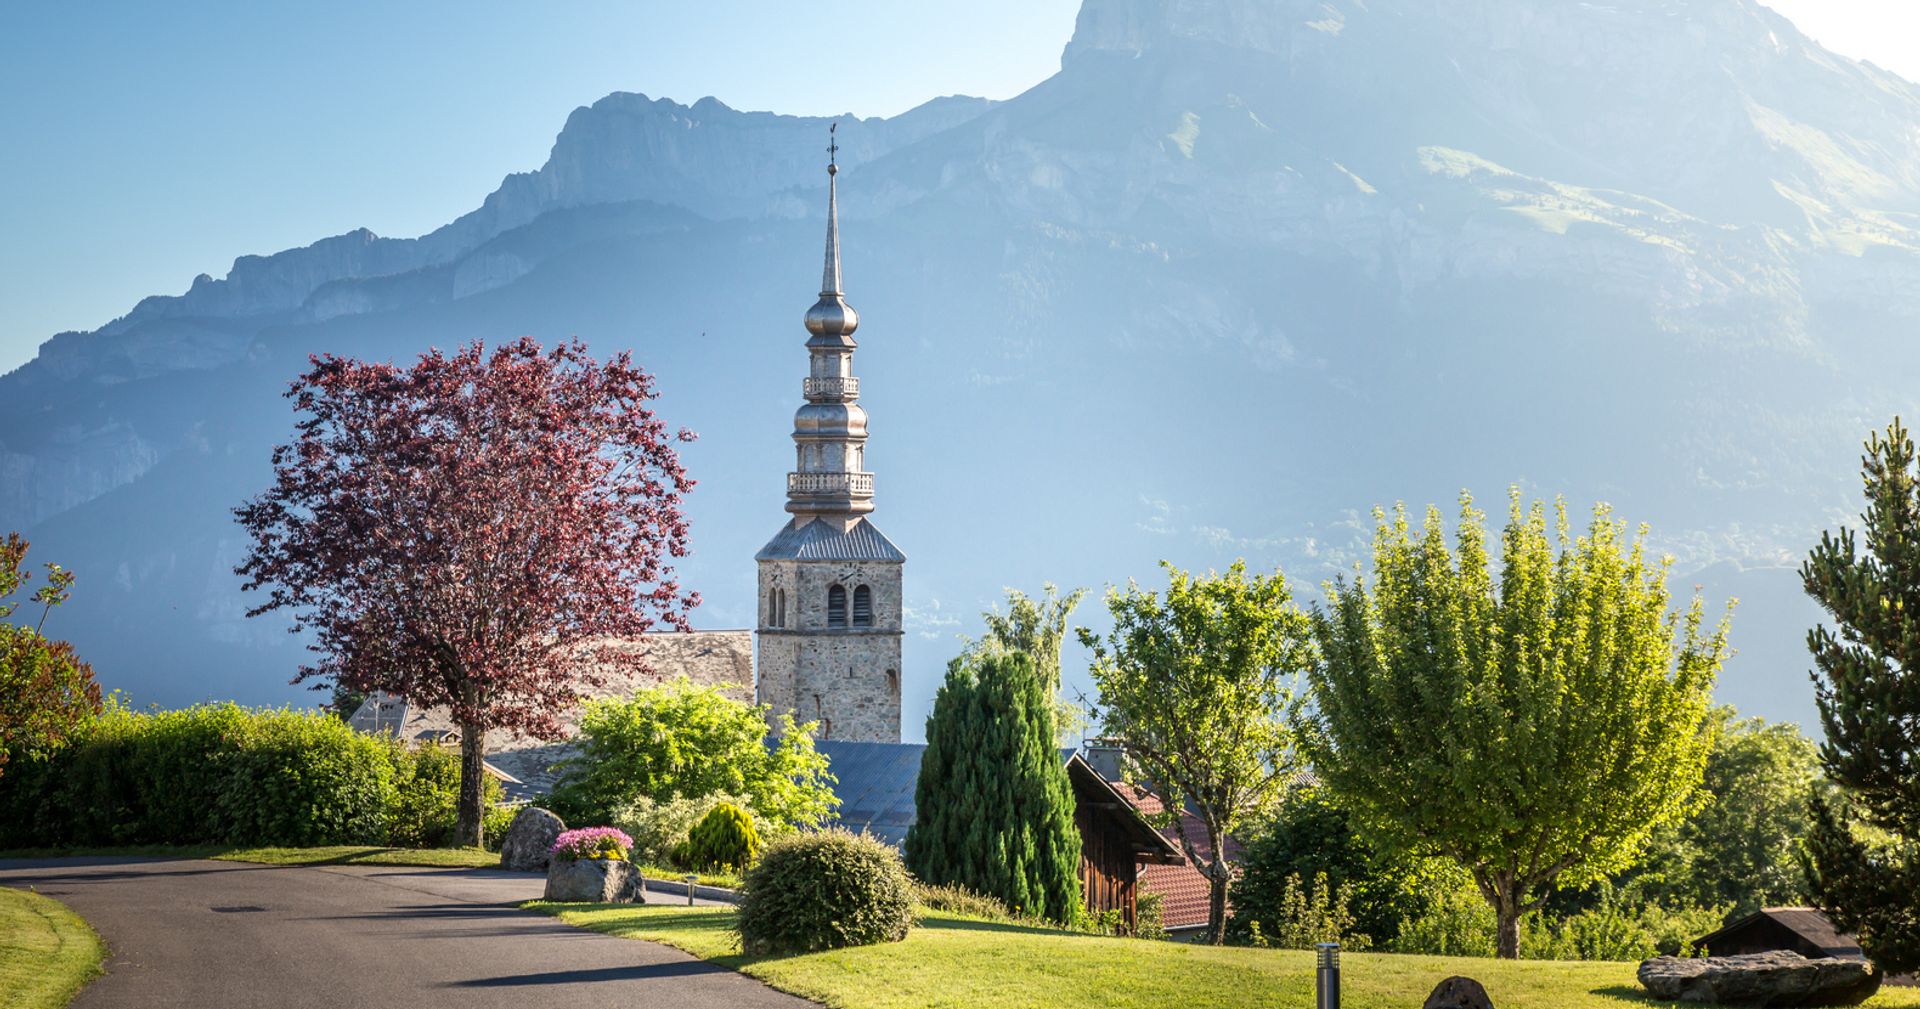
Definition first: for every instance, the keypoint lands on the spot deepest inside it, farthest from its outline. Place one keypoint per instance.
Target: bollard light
(691, 879)
(1326, 982)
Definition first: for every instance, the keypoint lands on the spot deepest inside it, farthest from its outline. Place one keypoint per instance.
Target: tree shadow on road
(637, 972)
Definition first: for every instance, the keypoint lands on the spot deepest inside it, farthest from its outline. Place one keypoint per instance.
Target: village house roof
(1803, 930)
(876, 782)
(1184, 890)
(524, 764)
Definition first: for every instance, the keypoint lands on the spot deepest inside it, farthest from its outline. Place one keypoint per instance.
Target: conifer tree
(1864, 851)
(994, 810)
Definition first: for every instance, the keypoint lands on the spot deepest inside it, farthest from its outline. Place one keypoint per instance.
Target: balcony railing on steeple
(854, 484)
(830, 388)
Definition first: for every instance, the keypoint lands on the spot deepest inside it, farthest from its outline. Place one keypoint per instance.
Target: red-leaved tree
(475, 532)
(46, 693)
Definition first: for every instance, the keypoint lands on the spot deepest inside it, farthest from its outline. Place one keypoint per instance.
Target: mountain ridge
(1236, 273)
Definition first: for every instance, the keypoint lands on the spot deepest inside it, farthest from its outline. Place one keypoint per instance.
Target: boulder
(1458, 993)
(1777, 978)
(528, 839)
(595, 881)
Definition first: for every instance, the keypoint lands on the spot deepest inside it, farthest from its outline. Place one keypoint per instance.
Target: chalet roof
(818, 541)
(876, 782)
(1091, 788)
(1808, 923)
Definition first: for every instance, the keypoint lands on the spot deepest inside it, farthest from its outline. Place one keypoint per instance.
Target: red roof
(1183, 887)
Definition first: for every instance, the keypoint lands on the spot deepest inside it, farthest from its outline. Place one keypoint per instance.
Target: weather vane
(833, 148)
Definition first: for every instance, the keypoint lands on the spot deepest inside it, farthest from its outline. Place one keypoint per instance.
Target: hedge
(222, 774)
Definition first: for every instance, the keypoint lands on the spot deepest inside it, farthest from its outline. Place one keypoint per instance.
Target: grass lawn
(967, 964)
(46, 952)
(462, 858)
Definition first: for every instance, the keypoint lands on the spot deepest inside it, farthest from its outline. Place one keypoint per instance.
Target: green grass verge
(47, 954)
(965, 964)
(346, 854)
(725, 880)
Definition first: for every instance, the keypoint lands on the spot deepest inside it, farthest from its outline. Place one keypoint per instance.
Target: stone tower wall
(847, 679)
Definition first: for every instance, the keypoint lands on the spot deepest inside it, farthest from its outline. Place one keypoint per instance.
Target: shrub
(1147, 923)
(660, 829)
(427, 798)
(301, 778)
(591, 842)
(823, 890)
(682, 740)
(1310, 835)
(212, 774)
(723, 839)
(1457, 923)
(956, 899)
(1308, 914)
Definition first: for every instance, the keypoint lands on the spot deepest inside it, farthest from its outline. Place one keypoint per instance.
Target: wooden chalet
(876, 784)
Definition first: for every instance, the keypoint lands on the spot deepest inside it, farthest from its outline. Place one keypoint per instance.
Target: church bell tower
(828, 643)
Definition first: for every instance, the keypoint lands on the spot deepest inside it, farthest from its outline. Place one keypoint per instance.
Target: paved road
(227, 935)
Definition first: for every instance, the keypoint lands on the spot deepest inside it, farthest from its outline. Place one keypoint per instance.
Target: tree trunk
(1507, 911)
(1217, 909)
(473, 753)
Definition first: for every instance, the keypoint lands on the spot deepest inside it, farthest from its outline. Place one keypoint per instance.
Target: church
(828, 642)
(826, 647)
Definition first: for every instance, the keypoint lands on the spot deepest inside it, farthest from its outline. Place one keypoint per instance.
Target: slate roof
(818, 541)
(875, 785)
(876, 782)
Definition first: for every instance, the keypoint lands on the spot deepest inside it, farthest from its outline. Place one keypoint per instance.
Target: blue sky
(141, 144)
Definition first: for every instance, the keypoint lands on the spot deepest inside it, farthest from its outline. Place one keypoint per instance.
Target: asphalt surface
(228, 935)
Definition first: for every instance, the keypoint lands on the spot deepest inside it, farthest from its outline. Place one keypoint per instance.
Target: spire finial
(830, 276)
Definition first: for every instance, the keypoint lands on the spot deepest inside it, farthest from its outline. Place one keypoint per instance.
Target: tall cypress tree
(994, 809)
(1864, 850)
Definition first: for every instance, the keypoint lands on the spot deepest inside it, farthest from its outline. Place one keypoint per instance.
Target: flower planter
(595, 880)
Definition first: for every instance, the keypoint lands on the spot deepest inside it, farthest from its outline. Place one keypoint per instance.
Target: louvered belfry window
(862, 607)
(837, 606)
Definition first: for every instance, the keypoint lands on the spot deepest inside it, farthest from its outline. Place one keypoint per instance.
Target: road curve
(228, 935)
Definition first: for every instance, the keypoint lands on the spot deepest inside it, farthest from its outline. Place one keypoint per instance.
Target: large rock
(595, 881)
(1458, 993)
(1778, 978)
(528, 839)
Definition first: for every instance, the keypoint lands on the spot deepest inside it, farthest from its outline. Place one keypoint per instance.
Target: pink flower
(591, 842)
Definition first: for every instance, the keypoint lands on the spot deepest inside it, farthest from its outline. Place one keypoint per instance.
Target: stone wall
(847, 679)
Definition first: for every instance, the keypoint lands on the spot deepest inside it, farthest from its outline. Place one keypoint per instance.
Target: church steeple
(828, 644)
(830, 480)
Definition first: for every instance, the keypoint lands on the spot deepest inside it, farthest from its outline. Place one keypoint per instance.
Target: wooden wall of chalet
(1108, 874)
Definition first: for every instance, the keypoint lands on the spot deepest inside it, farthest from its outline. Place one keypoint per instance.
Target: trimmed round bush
(724, 838)
(824, 890)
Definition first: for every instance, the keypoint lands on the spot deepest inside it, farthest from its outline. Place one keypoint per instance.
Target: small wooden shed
(1115, 840)
(1802, 930)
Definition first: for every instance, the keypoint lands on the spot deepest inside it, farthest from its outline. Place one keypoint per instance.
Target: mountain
(1239, 272)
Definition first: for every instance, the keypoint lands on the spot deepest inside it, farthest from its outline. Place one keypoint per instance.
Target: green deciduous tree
(1036, 628)
(1535, 729)
(1198, 686)
(680, 740)
(993, 807)
(1742, 848)
(1311, 841)
(1865, 847)
(46, 692)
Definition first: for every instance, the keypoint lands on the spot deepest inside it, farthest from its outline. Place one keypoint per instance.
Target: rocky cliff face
(1241, 270)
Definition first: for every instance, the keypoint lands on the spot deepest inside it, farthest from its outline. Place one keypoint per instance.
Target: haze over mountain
(1240, 271)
